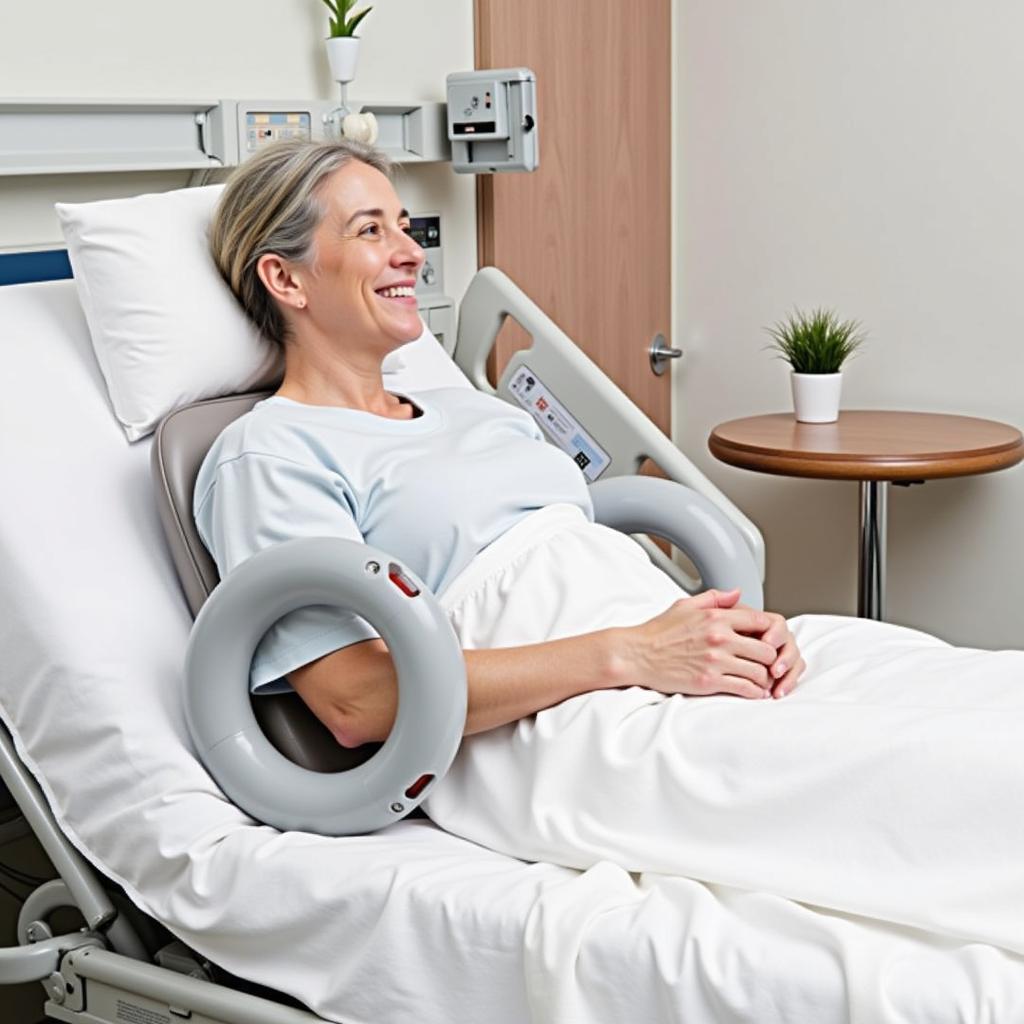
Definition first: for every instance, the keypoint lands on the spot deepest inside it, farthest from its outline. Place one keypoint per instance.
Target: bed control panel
(558, 424)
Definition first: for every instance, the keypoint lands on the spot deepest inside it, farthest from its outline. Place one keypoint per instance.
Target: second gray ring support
(427, 658)
(693, 523)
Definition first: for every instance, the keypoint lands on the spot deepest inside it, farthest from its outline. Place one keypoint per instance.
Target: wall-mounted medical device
(436, 308)
(425, 229)
(492, 120)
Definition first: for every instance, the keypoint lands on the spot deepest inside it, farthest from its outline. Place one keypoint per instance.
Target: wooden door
(588, 235)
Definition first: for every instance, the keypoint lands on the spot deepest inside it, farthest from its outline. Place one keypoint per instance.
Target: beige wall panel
(866, 157)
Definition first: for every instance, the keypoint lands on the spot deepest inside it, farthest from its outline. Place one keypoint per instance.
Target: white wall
(867, 157)
(227, 49)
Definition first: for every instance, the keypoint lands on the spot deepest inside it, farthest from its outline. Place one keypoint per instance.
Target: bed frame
(105, 973)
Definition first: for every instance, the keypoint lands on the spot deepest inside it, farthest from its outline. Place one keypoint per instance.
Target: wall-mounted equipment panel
(436, 308)
(409, 132)
(425, 229)
(68, 136)
(62, 136)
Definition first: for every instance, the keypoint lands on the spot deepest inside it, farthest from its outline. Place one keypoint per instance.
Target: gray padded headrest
(180, 445)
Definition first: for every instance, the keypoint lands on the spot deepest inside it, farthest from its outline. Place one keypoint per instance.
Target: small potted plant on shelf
(342, 44)
(816, 345)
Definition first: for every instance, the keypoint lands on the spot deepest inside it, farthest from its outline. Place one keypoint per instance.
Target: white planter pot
(343, 53)
(816, 396)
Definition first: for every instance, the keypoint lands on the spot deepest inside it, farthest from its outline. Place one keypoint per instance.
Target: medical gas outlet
(436, 308)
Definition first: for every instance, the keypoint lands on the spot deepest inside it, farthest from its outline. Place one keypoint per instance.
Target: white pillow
(165, 328)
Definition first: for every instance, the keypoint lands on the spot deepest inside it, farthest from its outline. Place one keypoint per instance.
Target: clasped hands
(710, 644)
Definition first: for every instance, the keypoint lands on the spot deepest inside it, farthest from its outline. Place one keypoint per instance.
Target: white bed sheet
(410, 924)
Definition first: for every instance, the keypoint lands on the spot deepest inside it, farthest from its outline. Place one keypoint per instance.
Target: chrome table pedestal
(874, 501)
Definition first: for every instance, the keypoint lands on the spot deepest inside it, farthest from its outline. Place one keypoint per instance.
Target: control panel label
(558, 423)
(263, 128)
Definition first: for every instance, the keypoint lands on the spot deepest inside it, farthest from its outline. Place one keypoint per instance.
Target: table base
(874, 499)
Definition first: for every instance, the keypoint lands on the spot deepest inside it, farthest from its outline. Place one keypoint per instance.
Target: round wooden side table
(874, 448)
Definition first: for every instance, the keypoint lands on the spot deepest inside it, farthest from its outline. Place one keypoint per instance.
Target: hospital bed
(404, 924)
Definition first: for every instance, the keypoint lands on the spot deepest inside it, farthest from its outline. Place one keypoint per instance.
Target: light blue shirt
(433, 491)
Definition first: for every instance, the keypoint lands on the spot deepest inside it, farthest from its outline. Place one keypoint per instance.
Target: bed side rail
(611, 423)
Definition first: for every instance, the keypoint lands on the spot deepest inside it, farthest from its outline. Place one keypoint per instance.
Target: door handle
(660, 354)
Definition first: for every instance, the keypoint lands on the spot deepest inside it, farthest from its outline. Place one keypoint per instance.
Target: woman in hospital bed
(886, 783)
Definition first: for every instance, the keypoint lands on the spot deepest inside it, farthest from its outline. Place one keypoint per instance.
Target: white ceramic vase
(816, 396)
(343, 53)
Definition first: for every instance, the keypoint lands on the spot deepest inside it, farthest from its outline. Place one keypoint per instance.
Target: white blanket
(407, 926)
(887, 785)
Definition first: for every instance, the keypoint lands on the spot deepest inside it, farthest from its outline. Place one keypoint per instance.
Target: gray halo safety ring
(645, 504)
(431, 687)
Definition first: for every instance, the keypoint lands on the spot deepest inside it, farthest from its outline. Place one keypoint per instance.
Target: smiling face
(361, 285)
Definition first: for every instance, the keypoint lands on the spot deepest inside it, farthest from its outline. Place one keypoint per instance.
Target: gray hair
(272, 204)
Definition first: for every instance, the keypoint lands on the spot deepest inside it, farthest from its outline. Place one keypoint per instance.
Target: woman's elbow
(351, 726)
(349, 729)
(352, 692)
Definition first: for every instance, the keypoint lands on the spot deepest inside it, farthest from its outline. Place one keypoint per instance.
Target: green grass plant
(816, 342)
(344, 20)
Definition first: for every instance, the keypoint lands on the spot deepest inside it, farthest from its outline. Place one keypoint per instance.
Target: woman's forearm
(698, 646)
(508, 683)
(354, 691)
